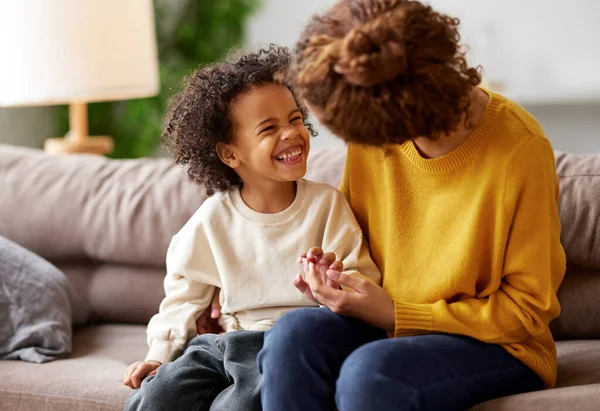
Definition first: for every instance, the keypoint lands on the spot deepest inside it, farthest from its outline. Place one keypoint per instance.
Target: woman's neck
(270, 197)
(430, 148)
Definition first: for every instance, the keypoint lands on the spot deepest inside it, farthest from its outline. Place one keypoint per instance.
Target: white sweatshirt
(252, 257)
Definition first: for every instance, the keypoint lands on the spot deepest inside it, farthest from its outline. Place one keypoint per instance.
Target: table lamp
(75, 52)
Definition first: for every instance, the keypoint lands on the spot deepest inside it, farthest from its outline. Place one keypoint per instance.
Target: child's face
(270, 142)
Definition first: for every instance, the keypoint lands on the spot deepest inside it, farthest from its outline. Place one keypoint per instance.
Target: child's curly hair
(384, 71)
(199, 116)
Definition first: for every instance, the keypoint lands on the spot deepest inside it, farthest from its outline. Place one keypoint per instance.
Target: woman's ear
(227, 155)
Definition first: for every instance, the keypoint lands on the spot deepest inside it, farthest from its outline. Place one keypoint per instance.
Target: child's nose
(289, 132)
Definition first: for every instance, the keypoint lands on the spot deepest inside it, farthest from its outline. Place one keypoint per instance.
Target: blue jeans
(216, 372)
(313, 359)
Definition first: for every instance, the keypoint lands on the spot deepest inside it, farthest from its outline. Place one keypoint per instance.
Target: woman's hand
(208, 322)
(366, 300)
(138, 371)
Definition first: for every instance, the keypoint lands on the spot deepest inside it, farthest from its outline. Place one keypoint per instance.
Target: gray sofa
(107, 225)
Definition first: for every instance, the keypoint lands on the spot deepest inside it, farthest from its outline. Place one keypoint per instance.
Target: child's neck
(269, 198)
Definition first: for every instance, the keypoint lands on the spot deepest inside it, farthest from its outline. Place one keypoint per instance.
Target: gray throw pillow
(35, 307)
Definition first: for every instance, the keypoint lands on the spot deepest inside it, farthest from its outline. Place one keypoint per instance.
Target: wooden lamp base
(92, 145)
(77, 139)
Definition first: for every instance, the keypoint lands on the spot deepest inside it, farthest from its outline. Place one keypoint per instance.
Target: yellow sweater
(468, 243)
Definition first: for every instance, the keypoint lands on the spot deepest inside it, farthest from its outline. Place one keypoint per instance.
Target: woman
(456, 189)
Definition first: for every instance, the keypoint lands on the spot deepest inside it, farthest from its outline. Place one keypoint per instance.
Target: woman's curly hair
(384, 71)
(199, 116)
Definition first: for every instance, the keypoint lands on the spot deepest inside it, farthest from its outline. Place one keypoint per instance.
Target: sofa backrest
(579, 177)
(108, 223)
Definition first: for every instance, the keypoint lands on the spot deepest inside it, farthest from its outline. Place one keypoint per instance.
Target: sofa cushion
(582, 398)
(90, 380)
(578, 362)
(77, 206)
(578, 386)
(580, 207)
(115, 292)
(578, 295)
(36, 301)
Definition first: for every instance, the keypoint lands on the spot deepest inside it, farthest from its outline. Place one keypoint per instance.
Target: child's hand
(139, 370)
(208, 322)
(324, 263)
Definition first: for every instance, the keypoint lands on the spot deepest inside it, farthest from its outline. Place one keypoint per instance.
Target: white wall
(573, 123)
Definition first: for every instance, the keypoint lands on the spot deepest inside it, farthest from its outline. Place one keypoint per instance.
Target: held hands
(138, 371)
(324, 263)
(364, 300)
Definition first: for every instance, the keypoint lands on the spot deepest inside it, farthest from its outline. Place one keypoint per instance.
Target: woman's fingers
(337, 265)
(357, 284)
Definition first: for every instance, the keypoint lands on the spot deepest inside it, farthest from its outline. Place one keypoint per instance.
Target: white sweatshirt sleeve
(189, 286)
(344, 237)
(353, 252)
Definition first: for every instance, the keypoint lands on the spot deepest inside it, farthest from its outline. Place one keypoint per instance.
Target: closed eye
(296, 119)
(267, 129)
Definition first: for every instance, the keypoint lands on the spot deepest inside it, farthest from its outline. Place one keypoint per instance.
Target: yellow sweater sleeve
(525, 300)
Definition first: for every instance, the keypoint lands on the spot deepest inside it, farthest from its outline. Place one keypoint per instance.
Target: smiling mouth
(290, 156)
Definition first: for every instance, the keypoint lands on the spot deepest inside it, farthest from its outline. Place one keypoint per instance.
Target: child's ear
(227, 155)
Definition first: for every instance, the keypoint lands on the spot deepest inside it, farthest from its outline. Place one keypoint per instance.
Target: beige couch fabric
(580, 207)
(90, 380)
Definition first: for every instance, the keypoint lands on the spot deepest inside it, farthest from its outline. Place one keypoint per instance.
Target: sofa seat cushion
(578, 386)
(90, 380)
(578, 362)
(581, 398)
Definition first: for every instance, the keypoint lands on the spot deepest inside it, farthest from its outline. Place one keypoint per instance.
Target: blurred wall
(26, 126)
(572, 126)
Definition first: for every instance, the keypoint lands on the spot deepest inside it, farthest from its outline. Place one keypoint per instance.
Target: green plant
(189, 32)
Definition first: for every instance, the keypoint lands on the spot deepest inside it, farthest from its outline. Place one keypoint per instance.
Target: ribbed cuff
(412, 319)
(162, 351)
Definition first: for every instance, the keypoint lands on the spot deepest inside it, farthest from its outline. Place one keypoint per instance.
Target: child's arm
(189, 288)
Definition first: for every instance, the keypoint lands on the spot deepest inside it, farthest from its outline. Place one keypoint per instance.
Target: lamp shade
(63, 51)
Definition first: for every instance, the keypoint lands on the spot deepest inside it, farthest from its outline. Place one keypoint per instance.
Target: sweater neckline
(265, 218)
(466, 151)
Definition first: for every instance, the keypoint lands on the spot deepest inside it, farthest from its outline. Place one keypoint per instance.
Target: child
(244, 136)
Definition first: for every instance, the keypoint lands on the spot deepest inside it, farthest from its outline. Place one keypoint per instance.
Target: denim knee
(362, 381)
(298, 334)
(150, 396)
